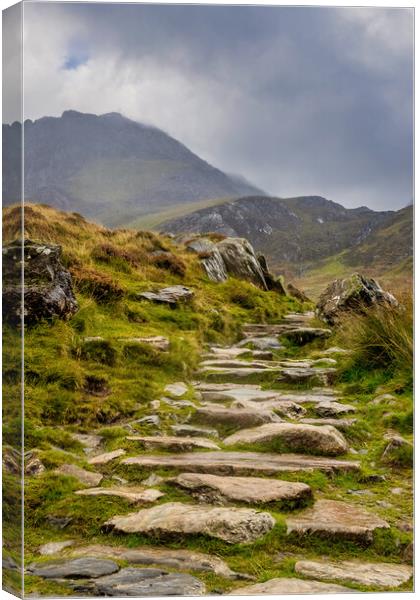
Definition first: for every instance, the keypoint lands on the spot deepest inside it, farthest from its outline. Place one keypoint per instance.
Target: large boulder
(210, 258)
(241, 261)
(47, 291)
(353, 294)
(273, 283)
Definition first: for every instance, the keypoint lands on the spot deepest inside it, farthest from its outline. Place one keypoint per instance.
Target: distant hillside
(295, 233)
(109, 168)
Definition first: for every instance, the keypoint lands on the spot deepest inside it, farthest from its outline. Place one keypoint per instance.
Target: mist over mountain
(109, 168)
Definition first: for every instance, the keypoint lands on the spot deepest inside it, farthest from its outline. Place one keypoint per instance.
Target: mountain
(109, 168)
(292, 231)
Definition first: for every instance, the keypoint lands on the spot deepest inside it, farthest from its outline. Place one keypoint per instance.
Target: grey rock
(210, 258)
(54, 547)
(394, 443)
(241, 261)
(194, 431)
(233, 417)
(352, 294)
(132, 494)
(47, 291)
(185, 560)
(261, 343)
(242, 463)
(137, 582)
(323, 439)
(232, 525)
(103, 459)
(297, 293)
(75, 568)
(307, 375)
(173, 443)
(283, 585)
(176, 389)
(172, 296)
(88, 478)
(216, 489)
(333, 409)
(337, 521)
(381, 575)
(156, 341)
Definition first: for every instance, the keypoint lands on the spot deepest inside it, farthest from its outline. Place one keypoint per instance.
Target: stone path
(254, 423)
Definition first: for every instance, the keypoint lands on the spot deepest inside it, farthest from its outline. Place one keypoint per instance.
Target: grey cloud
(298, 100)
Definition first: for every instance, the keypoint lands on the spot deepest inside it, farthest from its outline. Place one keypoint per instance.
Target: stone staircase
(238, 461)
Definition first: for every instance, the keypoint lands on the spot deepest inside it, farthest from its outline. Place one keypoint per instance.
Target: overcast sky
(298, 100)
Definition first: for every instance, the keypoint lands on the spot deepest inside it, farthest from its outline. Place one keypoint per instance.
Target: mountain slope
(295, 233)
(109, 168)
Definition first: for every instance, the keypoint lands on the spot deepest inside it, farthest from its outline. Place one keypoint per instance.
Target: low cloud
(298, 100)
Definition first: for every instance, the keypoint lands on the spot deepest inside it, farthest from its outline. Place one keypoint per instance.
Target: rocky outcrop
(353, 294)
(297, 293)
(47, 291)
(234, 257)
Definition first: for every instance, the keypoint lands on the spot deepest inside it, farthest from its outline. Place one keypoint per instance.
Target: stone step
(284, 408)
(380, 575)
(231, 363)
(285, 585)
(103, 459)
(262, 343)
(323, 439)
(185, 430)
(336, 521)
(241, 463)
(232, 417)
(340, 424)
(333, 409)
(185, 560)
(232, 374)
(232, 525)
(215, 489)
(227, 352)
(173, 443)
(221, 392)
(299, 317)
(131, 494)
(307, 375)
(88, 478)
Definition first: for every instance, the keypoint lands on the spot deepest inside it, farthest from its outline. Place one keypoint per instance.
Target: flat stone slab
(54, 547)
(186, 430)
(131, 494)
(88, 478)
(333, 409)
(231, 363)
(171, 295)
(284, 408)
(185, 560)
(336, 520)
(225, 392)
(103, 459)
(173, 443)
(340, 424)
(138, 582)
(251, 490)
(305, 375)
(238, 373)
(232, 525)
(227, 352)
(75, 568)
(284, 585)
(233, 417)
(156, 341)
(322, 439)
(176, 389)
(88, 440)
(261, 343)
(242, 463)
(381, 575)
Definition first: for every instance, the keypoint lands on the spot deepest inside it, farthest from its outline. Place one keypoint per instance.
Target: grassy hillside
(109, 268)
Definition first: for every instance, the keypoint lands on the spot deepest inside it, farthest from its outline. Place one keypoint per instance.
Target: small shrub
(98, 285)
(170, 262)
(143, 353)
(98, 350)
